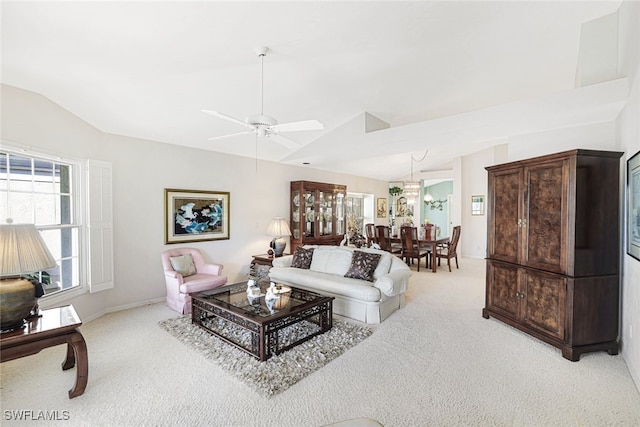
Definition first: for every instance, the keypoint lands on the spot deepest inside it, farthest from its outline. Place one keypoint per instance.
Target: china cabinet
(317, 213)
(553, 249)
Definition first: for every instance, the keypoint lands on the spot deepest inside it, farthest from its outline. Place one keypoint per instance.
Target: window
(44, 192)
(359, 211)
(355, 215)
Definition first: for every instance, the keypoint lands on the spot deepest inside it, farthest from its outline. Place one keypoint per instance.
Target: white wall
(473, 231)
(141, 171)
(594, 136)
(629, 141)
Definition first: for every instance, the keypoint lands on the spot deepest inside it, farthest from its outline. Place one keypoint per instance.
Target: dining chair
(411, 248)
(370, 230)
(383, 238)
(449, 250)
(429, 233)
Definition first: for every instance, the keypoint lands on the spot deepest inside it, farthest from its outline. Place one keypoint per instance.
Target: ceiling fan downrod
(262, 52)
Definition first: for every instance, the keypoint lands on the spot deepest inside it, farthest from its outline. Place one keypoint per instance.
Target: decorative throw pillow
(363, 265)
(183, 264)
(302, 258)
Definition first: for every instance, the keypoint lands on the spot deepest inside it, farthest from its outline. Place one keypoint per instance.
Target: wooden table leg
(433, 254)
(69, 361)
(79, 353)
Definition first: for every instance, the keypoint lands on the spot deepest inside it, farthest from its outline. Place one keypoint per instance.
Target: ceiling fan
(263, 125)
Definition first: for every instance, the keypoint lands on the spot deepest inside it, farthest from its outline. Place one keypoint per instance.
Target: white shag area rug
(280, 371)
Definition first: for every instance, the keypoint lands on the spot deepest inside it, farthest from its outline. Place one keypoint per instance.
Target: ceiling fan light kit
(263, 125)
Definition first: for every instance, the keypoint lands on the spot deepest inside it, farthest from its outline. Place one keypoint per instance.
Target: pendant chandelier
(412, 188)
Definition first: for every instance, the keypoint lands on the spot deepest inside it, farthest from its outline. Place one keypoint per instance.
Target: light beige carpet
(436, 362)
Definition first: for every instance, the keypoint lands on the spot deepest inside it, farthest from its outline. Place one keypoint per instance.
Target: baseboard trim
(122, 307)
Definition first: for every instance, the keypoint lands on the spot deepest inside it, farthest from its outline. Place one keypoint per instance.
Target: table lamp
(277, 228)
(22, 251)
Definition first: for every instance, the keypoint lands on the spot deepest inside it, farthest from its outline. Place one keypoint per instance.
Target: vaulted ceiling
(451, 77)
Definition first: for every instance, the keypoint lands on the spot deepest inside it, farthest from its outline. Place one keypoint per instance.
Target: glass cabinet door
(310, 214)
(295, 214)
(325, 213)
(340, 222)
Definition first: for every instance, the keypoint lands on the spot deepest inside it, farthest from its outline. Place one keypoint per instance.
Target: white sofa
(369, 302)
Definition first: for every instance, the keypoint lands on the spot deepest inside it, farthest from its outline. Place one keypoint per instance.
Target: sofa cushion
(363, 264)
(183, 264)
(302, 258)
(331, 260)
(325, 283)
(384, 265)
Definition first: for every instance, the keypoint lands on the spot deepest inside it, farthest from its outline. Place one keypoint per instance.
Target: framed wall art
(195, 216)
(381, 207)
(633, 206)
(477, 205)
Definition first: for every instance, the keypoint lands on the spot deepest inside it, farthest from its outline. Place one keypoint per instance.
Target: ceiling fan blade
(298, 126)
(229, 135)
(285, 142)
(224, 116)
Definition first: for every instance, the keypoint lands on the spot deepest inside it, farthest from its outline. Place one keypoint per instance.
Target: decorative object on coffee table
(23, 251)
(278, 228)
(277, 296)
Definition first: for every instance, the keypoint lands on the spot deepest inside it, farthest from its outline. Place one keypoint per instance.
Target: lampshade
(278, 227)
(22, 250)
(428, 198)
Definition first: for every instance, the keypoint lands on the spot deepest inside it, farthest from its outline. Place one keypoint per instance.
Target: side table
(53, 327)
(262, 259)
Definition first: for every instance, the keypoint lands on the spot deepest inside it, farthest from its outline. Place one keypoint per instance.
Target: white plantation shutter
(99, 226)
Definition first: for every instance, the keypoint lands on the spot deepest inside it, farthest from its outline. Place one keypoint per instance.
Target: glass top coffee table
(247, 322)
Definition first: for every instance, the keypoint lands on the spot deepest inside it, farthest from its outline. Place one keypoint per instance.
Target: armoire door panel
(545, 297)
(506, 212)
(546, 212)
(503, 290)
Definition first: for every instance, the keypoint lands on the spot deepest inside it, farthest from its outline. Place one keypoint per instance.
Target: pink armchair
(179, 286)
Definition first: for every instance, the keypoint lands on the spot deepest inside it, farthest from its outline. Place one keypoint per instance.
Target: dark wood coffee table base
(265, 330)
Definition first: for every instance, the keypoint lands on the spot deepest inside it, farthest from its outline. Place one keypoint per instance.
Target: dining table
(433, 243)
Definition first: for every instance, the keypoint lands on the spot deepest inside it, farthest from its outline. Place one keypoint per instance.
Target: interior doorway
(437, 197)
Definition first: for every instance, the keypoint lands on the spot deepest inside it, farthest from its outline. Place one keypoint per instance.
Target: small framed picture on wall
(381, 207)
(477, 205)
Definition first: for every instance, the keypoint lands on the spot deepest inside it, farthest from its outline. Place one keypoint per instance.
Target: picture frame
(633, 206)
(381, 207)
(477, 205)
(195, 215)
(402, 208)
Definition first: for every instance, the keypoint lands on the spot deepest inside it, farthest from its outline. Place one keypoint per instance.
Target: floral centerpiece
(258, 274)
(354, 232)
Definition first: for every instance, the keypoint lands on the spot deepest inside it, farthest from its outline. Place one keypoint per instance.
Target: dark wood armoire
(553, 249)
